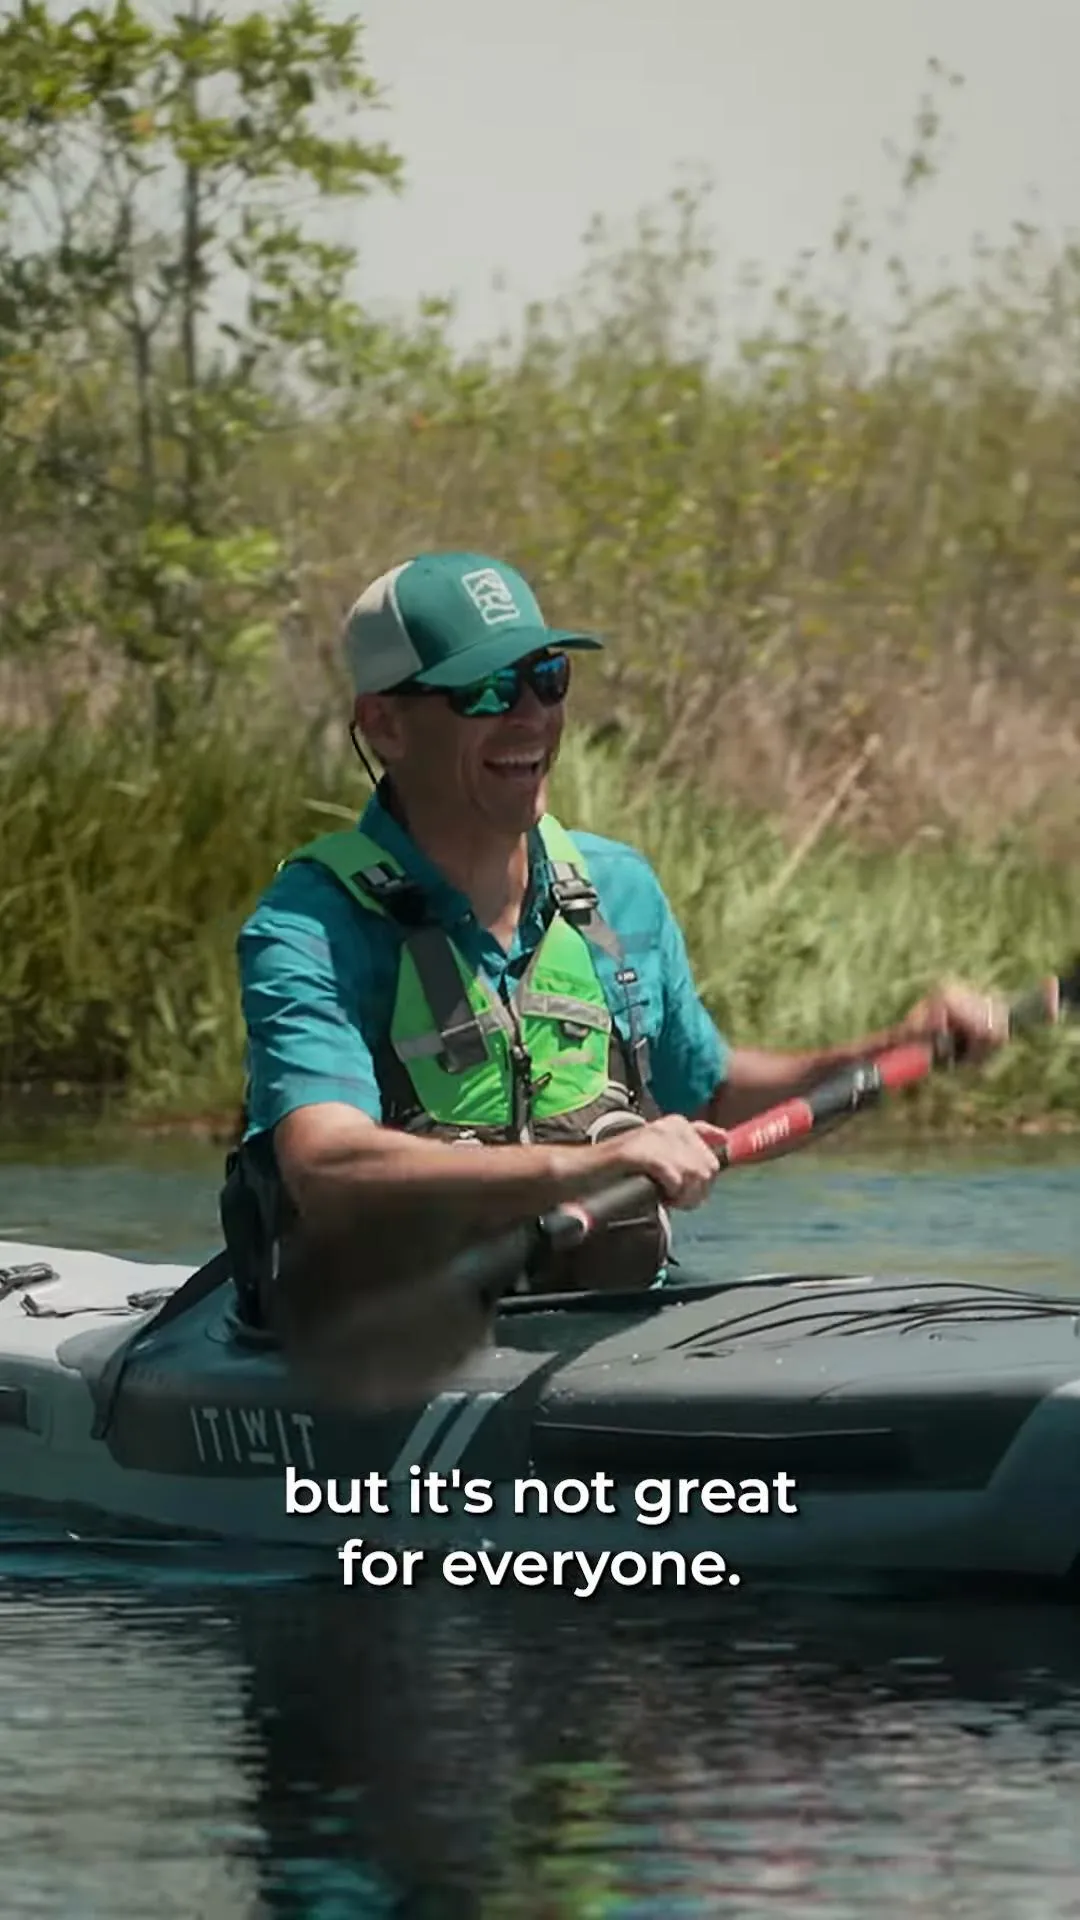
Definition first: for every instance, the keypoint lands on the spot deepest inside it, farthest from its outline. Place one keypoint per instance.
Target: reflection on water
(306, 1751)
(125, 1756)
(196, 1736)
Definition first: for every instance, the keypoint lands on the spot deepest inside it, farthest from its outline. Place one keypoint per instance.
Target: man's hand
(678, 1154)
(979, 1020)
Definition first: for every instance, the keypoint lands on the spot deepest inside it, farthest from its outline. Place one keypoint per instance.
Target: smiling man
(460, 970)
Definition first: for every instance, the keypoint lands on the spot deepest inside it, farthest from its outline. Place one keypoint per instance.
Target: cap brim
(502, 650)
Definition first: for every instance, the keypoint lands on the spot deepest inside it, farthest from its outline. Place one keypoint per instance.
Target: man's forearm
(759, 1077)
(382, 1175)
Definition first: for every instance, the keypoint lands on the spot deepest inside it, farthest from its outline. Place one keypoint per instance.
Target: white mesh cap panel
(378, 650)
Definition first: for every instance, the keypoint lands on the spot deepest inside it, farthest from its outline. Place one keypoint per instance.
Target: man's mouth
(517, 766)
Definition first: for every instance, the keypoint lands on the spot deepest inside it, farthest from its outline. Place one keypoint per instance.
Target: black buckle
(403, 898)
(576, 898)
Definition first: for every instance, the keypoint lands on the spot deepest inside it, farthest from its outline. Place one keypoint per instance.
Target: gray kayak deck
(924, 1422)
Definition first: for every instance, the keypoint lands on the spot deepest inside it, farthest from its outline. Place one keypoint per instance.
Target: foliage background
(840, 572)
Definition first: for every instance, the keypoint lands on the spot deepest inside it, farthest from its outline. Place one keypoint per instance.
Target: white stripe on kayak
(456, 1441)
(430, 1423)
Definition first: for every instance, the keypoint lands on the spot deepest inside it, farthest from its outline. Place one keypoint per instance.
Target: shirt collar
(448, 902)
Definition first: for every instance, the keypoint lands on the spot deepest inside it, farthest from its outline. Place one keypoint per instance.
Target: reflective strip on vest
(562, 1006)
(461, 1035)
(429, 1045)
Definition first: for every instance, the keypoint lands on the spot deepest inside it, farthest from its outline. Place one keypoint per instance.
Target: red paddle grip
(852, 1088)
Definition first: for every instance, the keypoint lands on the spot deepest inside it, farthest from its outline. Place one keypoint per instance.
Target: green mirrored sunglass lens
(500, 692)
(492, 696)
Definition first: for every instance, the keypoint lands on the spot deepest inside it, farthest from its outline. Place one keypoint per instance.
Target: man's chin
(519, 812)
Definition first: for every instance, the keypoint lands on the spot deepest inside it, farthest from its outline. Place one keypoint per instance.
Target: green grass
(128, 870)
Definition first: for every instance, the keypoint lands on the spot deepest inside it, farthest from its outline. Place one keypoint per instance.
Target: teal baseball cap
(445, 620)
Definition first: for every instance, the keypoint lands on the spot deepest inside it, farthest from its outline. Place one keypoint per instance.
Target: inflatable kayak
(789, 1423)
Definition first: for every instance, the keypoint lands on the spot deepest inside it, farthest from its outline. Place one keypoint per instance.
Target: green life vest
(548, 1062)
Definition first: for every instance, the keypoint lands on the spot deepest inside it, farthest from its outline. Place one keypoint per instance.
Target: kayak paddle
(513, 1263)
(396, 1345)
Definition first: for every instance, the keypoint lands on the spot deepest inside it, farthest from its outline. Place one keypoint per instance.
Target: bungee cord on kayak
(816, 1318)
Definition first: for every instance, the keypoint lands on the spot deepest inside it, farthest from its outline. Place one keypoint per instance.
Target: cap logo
(491, 596)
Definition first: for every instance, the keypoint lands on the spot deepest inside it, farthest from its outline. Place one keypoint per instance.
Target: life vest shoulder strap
(577, 899)
(377, 880)
(374, 878)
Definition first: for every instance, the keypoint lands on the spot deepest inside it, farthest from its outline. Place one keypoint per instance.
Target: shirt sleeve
(689, 1055)
(302, 988)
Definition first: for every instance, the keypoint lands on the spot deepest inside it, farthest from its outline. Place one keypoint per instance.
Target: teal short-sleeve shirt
(317, 976)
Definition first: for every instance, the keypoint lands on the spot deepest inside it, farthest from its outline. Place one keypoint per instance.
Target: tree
(165, 298)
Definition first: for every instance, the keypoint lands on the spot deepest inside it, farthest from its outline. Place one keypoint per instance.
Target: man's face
(484, 773)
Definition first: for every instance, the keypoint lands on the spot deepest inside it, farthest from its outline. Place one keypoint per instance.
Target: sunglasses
(547, 675)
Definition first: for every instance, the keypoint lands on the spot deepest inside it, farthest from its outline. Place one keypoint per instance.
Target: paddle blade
(373, 1320)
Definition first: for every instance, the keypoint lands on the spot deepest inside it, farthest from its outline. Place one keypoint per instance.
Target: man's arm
(699, 1072)
(342, 1168)
(759, 1077)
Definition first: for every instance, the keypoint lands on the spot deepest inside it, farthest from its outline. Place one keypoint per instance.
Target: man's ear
(379, 722)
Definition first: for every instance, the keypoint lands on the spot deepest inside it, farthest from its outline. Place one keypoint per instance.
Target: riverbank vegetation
(839, 566)
(132, 864)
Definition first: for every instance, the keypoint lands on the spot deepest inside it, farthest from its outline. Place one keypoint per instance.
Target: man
(460, 970)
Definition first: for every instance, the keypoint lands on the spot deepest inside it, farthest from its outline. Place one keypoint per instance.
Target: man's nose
(528, 707)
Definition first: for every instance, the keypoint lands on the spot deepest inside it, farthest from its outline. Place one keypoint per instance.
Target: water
(195, 1736)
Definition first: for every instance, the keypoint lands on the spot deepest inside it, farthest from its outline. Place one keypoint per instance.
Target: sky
(520, 123)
